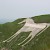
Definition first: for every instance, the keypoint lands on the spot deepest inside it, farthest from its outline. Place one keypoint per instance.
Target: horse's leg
(25, 39)
(28, 41)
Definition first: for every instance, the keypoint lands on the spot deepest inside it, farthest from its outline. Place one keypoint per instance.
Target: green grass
(20, 38)
(42, 19)
(43, 42)
(8, 29)
(14, 43)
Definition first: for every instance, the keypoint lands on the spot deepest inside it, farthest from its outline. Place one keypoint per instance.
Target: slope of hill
(42, 19)
(40, 42)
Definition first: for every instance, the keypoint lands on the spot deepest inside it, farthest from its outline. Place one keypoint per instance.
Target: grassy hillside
(41, 42)
(42, 19)
(7, 29)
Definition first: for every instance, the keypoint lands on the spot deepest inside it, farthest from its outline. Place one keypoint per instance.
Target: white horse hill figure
(29, 26)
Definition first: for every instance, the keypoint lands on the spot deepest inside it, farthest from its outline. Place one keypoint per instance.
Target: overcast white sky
(13, 9)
